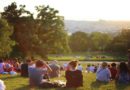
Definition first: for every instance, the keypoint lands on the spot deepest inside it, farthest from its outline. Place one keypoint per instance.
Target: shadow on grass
(122, 86)
(10, 77)
(96, 85)
(25, 87)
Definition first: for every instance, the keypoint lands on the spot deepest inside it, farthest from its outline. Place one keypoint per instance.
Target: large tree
(5, 41)
(41, 36)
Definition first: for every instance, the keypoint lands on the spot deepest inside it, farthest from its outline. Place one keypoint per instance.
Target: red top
(74, 78)
(113, 72)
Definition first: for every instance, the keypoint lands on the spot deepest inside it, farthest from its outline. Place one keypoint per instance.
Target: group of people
(40, 72)
(9, 66)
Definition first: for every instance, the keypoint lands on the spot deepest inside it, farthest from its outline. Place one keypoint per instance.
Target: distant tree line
(98, 41)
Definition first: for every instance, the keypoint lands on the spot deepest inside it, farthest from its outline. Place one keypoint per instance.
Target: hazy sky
(81, 9)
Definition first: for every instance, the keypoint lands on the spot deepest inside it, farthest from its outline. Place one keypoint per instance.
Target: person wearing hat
(103, 73)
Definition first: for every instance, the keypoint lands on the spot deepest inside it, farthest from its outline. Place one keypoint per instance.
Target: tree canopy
(40, 36)
(5, 41)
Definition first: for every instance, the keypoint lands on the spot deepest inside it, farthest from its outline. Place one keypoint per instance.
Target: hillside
(92, 26)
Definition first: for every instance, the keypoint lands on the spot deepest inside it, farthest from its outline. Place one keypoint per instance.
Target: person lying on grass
(37, 73)
(73, 76)
(103, 73)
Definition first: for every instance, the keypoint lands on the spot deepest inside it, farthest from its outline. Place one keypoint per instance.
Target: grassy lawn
(20, 83)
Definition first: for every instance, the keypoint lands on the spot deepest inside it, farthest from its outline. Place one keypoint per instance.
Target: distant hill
(92, 26)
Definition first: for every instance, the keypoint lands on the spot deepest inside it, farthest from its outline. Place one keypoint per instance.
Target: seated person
(1, 66)
(80, 67)
(2, 85)
(37, 73)
(113, 71)
(103, 74)
(24, 68)
(73, 76)
(55, 70)
(123, 75)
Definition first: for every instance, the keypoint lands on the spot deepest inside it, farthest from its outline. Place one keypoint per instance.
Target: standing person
(123, 74)
(103, 74)
(73, 76)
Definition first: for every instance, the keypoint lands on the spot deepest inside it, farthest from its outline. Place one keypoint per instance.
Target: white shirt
(80, 68)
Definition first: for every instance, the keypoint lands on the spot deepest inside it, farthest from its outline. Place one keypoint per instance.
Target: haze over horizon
(88, 10)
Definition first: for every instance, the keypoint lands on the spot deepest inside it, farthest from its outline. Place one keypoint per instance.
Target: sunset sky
(81, 9)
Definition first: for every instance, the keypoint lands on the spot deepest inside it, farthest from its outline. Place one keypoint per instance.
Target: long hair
(123, 67)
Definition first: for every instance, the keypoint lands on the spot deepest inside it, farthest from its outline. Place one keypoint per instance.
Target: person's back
(1, 67)
(55, 70)
(113, 71)
(74, 78)
(123, 75)
(80, 67)
(124, 78)
(24, 70)
(36, 76)
(2, 85)
(103, 73)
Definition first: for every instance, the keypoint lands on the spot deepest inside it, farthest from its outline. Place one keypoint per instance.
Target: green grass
(20, 83)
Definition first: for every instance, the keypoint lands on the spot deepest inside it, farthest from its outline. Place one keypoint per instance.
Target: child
(103, 73)
(73, 76)
(113, 71)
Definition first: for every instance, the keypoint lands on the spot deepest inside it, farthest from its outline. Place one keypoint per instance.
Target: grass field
(20, 83)
(94, 56)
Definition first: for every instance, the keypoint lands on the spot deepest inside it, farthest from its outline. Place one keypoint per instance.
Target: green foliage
(5, 41)
(40, 36)
(121, 43)
(79, 42)
(100, 40)
(96, 41)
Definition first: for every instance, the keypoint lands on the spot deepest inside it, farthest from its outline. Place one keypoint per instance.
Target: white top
(80, 68)
(2, 85)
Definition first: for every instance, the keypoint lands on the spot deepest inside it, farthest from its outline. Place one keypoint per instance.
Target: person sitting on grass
(103, 73)
(123, 74)
(37, 73)
(24, 68)
(73, 76)
(80, 67)
(113, 71)
(2, 85)
(2, 66)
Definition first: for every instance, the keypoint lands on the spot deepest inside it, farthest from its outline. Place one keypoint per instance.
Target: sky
(81, 9)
